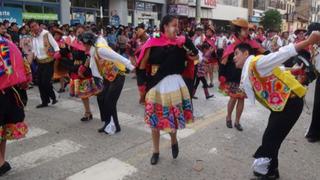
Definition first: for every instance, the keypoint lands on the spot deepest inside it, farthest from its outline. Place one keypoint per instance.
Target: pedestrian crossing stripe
(42, 155)
(112, 169)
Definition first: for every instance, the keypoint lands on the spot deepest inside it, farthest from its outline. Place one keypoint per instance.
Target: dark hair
(166, 20)
(243, 47)
(88, 38)
(32, 21)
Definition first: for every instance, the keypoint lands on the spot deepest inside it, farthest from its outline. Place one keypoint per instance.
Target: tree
(272, 19)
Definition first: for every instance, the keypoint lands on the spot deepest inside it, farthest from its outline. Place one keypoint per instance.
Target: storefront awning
(40, 16)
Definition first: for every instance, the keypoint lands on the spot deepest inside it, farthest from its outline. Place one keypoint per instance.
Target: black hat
(313, 27)
(88, 38)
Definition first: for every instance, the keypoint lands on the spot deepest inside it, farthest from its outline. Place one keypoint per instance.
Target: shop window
(49, 9)
(50, 0)
(33, 9)
(92, 4)
(13, 5)
(78, 3)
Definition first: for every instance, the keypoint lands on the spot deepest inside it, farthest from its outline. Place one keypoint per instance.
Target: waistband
(45, 60)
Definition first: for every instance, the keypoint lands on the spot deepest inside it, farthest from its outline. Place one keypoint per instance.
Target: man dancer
(284, 99)
(44, 48)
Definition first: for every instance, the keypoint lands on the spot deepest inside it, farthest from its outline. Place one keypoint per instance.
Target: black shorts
(11, 107)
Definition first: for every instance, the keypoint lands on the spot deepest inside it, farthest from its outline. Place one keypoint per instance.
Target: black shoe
(175, 150)
(238, 126)
(272, 175)
(194, 97)
(211, 96)
(5, 168)
(42, 106)
(61, 90)
(313, 139)
(54, 101)
(211, 85)
(101, 130)
(118, 130)
(229, 123)
(154, 159)
(86, 117)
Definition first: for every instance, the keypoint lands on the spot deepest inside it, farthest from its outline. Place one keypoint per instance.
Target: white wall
(65, 11)
(223, 12)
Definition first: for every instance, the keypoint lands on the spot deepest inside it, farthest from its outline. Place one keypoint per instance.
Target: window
(48, 9)
(13, 5)
(78, 3)
(93, 4)
(33, 8)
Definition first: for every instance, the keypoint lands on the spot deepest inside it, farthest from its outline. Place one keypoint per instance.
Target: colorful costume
(14, 74)
(168, 104)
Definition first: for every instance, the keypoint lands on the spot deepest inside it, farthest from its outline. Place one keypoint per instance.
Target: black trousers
(197, 82)
(45, 74)
(314, 130)
(279, 126)
(108, 98)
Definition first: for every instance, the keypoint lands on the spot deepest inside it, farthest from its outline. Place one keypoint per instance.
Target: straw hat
(240, 22)
(252, 26)
(212, 28)
(58, 31)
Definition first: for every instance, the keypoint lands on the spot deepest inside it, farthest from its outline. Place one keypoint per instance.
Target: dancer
(45, 48)
(82, 83)
(230, 75)
(109, 66)
(168, 104)
(284, 99)
(211, 54)
(313, 134)
(13, 76)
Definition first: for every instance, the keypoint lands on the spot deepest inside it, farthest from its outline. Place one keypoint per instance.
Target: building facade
(315, 17)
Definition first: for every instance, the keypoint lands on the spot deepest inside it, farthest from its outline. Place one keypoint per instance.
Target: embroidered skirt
(232, 89)
(12, 116)
(168, 105)
(84, 87)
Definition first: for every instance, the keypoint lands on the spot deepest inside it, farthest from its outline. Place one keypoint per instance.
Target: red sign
(211, 3)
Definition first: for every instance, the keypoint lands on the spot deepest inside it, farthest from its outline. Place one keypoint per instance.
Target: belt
(45, 60)
(154, 69)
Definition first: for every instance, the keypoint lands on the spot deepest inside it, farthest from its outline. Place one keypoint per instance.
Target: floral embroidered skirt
(168, 105)
(84, 87)
(232, 89)
(12, 116)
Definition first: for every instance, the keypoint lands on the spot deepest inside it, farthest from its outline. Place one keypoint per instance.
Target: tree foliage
(271, 19)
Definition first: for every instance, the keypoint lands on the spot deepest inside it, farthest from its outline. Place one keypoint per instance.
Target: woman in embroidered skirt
(168, 104)
(230, 78)
(60, 72)
(82, 84)
(13, 77)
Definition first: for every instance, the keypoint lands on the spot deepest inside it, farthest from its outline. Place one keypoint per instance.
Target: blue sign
(115, 21)
(11, 14)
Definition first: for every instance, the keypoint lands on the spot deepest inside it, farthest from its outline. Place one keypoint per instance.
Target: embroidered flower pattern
(13, 131)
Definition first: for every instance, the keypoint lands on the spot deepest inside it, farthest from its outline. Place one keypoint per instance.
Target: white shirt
(107, 54)
(267, 44)
(38, 45)
(221, 42)
(264, 66)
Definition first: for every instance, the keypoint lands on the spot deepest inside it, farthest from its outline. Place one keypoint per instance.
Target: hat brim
(237, 23)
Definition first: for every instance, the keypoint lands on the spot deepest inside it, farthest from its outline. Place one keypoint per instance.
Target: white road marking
(213, 151)
(33, 132)
(42, 155)
(112, 169)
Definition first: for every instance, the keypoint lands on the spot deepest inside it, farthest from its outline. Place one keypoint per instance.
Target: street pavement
(59, 146)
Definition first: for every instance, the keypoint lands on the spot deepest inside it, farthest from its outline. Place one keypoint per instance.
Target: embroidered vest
(108, 70)
(274, 91)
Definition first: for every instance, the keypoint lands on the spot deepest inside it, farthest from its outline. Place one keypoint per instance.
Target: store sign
(149, 6)
(185, 2)
(11, 14)
(140, 6)
(180, 10)
(40, 16)
(204, 3)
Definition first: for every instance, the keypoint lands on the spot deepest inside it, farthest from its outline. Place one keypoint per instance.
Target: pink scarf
(160, 42)
(230, 49)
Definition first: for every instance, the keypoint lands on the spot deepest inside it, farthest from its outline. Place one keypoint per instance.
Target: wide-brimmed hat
(313, 27)
(211, 27)
(240, 22)
(297, 31)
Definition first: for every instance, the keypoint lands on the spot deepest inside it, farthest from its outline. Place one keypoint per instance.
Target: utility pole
(198, 11)
(250, 10)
